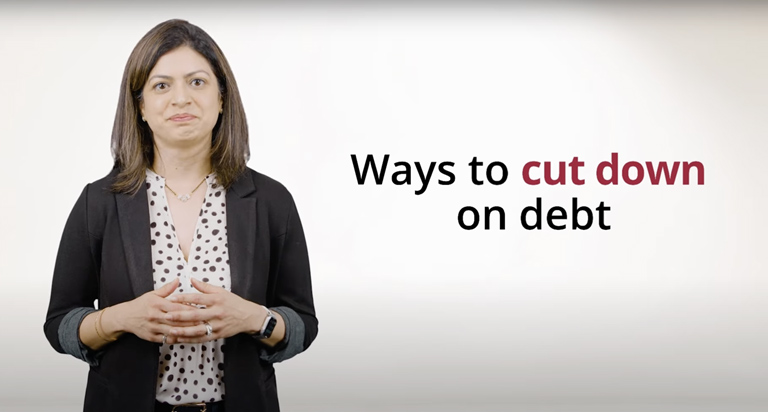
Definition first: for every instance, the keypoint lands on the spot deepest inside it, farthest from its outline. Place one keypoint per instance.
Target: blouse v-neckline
(209, 179)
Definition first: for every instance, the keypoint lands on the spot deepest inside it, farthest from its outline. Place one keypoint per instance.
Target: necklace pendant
(184, 198)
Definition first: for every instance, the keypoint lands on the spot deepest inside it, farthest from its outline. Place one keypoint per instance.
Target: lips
(182, 117)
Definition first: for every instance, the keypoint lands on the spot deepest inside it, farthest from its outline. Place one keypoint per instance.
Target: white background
(664, 312)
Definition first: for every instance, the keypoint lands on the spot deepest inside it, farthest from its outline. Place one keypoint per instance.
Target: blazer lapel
(241, 232)
(133, 215)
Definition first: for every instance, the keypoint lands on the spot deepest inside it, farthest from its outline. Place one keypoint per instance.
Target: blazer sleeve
(75, 273)
(293, 342)
(292, 280)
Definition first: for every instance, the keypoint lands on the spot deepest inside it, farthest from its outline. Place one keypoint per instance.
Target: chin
(186, 139)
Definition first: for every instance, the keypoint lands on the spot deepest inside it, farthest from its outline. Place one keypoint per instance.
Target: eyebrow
(162, 76)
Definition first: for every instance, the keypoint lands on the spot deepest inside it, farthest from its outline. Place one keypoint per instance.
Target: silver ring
(208, 329)
(164, 338)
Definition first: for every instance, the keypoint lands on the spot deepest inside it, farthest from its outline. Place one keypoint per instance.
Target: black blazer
(105, 254)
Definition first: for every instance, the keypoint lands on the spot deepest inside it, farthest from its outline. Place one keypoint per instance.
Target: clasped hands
(158, 316)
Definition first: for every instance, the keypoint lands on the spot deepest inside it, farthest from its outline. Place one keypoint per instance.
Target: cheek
(212, 110)
(211, 120)
(148, 107)
(154, 105)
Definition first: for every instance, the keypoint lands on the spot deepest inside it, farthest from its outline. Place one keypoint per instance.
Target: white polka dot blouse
(190, 372)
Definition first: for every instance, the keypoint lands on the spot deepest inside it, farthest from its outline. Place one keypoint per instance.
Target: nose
(180, 96)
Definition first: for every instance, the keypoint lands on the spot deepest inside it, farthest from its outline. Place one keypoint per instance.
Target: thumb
(205, 287)
(167, 289)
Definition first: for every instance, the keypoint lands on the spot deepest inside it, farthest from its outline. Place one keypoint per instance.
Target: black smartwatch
(269, 325)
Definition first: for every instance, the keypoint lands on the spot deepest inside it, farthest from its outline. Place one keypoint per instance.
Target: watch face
(270, 327)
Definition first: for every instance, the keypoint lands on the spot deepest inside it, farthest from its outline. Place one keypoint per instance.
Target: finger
(198, 339)
(167, 289)
(170, 324)
(206, 287)
(167, 306)
(191, 336)
(193, 298)
(199, 315)
(170, 339)
(192, 331)
(157, 338)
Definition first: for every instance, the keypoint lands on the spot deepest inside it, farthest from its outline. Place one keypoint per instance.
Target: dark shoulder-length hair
(132, 144)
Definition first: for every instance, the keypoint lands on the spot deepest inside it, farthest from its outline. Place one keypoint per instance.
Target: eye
(157, 86)
(200, 82)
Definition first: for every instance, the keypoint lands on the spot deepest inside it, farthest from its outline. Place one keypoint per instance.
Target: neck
(182, 165)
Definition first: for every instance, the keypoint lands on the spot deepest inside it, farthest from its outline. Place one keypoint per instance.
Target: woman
(198, 262)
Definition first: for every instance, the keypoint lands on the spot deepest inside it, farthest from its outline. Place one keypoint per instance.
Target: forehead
(180, 61)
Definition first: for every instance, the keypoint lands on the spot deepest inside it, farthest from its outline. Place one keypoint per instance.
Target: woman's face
(181, 101)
